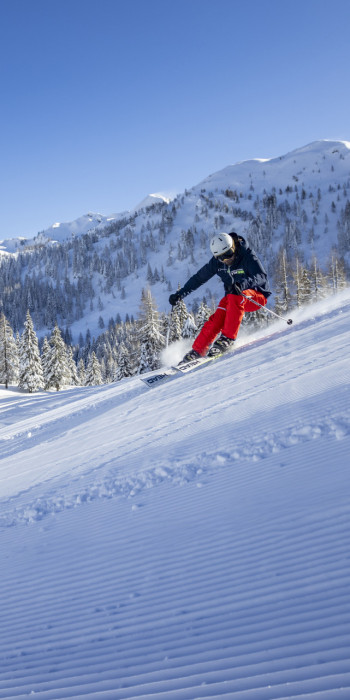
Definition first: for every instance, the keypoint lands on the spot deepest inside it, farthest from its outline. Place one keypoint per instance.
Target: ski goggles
(225, 256)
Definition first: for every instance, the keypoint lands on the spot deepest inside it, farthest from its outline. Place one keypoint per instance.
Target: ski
(178, 370)
(193, 364)
(160, 378)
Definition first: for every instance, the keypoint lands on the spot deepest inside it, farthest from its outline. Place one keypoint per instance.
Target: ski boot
(190, 355)
(221, 345)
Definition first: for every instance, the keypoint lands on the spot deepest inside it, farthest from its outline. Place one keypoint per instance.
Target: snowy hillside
(187, 541)
(314, 163)
(60, 232)
(321, 164)
(94, 269)
(157, 198)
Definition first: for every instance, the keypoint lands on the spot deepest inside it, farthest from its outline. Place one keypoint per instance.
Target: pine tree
(177, 322)
(8, 354)
(93, 371)
(344, 230)
(30, 368)
(74, 378)
(336, 274)
(124, 366)
(175, 325)
(164, 326)
(110, 367)
(283, 299)
(189, 329)
(81, 372)
(57, 373)
(302, 282)
(202, 315)
(183, 313)
(305, 290)
(152, 341)
(319, 286)
(45, 354)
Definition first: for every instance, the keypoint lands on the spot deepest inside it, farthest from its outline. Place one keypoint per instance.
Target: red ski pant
(227, 318)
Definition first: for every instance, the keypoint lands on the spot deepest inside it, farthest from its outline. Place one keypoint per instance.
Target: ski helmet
(221, 243)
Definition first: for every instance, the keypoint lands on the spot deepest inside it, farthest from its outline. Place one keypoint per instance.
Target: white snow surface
(310, 162)
(187, 541)
(157, 197)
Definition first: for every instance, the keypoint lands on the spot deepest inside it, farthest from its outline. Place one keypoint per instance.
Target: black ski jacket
(246, 269)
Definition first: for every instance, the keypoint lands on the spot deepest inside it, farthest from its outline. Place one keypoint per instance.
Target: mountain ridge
(92, 220)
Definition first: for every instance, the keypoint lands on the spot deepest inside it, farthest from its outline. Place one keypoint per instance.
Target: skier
(240, 270)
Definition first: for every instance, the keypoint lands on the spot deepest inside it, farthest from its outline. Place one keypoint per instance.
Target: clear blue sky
(105, 101)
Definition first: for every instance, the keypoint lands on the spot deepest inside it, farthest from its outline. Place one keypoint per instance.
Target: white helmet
(221, 243)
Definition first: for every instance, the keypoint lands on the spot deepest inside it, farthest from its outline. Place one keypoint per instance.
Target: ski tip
(156, 379)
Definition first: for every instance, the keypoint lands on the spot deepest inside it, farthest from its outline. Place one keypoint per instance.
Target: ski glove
(174, 298)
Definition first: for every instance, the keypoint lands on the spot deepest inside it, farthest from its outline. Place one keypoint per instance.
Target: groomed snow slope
(189, 541)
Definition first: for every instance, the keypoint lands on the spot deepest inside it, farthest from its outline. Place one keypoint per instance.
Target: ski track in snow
(188, 541)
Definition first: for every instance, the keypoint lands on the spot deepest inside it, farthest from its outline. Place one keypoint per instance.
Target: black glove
(174, 298)
(236, 288)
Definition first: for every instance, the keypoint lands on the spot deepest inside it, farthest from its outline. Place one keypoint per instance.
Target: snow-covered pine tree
(297, 281)
(103, 370)
(189, 329)
(164, 327)
(124, 366)
(93, 371)
(30, 368)
(178, 317)
(302, 282)
(344, 229)
(283, 295)
(74, 378)
(57, 372)
(152, 341)
(18, 347)
(175, 325)
(202, 315)
(81, 372)
(337, 275)
(45, 354)
(318, 281)
(110, 367)
(305, 287)
(8, 354)
(183, 313)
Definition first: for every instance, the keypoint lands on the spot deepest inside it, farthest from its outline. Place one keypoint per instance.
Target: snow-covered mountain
(310, 165)
(156, 198)
(299, 202)
(189, 541)
(61, 232)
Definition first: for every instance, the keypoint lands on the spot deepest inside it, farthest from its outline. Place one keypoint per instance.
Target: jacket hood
(239, 239)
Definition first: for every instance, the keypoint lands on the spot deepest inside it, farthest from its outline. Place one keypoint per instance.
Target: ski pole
(168, 330)
(289, 321)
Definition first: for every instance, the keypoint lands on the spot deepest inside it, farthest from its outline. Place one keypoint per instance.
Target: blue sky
(104, 101)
